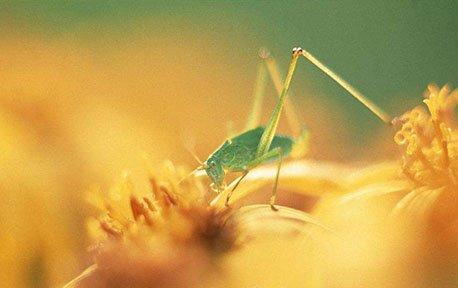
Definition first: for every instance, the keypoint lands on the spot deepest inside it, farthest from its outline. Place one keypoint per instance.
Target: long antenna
(352, 90)
(194, 155)
(190, 174)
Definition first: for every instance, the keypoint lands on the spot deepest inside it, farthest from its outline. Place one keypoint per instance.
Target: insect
(258, 145)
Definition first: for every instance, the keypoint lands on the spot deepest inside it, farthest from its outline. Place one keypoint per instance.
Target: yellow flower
(430, 160)
(176, 235)
(429, 139)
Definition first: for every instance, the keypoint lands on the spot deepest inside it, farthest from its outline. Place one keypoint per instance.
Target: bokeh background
(88, 88)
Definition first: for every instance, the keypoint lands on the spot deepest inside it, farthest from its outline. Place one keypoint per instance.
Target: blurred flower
(402, 220)
(430, 161)
(174, 237)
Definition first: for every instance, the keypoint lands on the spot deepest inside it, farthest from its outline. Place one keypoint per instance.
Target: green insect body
(236, 154)
(255, 146)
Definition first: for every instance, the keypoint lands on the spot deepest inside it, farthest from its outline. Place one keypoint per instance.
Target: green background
(390, 50)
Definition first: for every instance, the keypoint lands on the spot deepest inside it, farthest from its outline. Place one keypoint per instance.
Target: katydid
(259, 145)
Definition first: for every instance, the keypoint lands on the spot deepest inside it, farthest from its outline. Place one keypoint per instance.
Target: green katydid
(259, 145)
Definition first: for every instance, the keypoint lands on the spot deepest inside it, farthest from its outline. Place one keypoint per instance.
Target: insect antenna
(194, 155)
(189, 144)
(350, 89)
(191, 174)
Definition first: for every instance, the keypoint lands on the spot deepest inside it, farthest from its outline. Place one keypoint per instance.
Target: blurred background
(87, 88)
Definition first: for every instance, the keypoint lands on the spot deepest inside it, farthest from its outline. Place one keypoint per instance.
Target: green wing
(284, 142)
(252, 137)
(249, 138)
(237, 153)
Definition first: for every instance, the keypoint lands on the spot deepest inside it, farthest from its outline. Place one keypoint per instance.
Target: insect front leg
(235, 186)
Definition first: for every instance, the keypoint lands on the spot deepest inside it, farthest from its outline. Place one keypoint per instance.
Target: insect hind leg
(292, 117)
(269, 66)
(258, 95)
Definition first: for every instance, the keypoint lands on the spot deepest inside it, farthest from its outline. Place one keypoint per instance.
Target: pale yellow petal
(376, 190)
(400, 207)
(257, 220)
(304, 177)
(384, 171)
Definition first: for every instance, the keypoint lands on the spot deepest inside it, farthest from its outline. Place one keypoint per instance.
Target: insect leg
(269, 133)
(275, 76)
(269, 155)
(276, 152)
(350, 89)
(301, 145)
(258, 94)
(277, 176)
(230, 129)
(235, 186)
